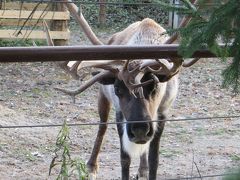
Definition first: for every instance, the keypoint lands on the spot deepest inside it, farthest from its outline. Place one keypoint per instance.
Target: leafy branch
(210, 25)
(62, 158)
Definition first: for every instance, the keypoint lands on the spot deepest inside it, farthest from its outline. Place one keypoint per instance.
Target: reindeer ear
(105, 80)
(163, 78)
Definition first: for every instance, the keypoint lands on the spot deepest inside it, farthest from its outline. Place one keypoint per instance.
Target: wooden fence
(17, 21)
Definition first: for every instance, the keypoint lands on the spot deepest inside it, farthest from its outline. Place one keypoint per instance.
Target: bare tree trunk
(102, 13)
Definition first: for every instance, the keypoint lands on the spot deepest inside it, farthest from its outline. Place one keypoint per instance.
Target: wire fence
(236, 117)
(7, 55)
(114, 123)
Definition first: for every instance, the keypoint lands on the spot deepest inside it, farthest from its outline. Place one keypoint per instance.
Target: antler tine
(183, 23)
(177, 63)
(161, 67)
(125, 66)
(89, 83)
(157, 67)
(174, 37)
(100, 63)
(72, 70)
(49, 39)
(132, 78)
(125, 73)
(73, 9)
(108, 68)
(190, 63)
(146, 67)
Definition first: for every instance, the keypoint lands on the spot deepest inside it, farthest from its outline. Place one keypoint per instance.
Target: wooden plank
(59, 25)
(25, 6)
(14, 22)
(48, 15)
(9, 34)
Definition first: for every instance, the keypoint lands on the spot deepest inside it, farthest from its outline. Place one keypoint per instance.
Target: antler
(89, 83)
(64, 64)
(190, 63)
(71, 67)
(174, 37)
(73, 9)
(131, 74)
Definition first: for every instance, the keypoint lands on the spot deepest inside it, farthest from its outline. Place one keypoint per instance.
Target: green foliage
(12, 43)
(68, 166)
(209, 24)
(235, 157)
(119, 16)
(234, 175)
(170, 7)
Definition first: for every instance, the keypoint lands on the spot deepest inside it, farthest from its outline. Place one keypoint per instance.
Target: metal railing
(102, 52)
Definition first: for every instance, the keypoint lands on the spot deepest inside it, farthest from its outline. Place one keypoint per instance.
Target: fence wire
(203, 177)
(113, 123)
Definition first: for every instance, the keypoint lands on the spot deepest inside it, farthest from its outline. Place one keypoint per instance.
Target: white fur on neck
(133, 149)
(155, 124)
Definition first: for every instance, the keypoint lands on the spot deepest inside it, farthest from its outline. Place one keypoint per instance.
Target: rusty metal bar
(63, 53)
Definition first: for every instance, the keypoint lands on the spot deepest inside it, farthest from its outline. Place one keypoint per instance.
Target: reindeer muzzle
(139, 133)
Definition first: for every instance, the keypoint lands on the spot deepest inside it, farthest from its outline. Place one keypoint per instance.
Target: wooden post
(59, 25)
(102, 13)
(174, 18)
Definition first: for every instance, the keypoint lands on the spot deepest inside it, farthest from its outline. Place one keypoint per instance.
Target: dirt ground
(27, 97)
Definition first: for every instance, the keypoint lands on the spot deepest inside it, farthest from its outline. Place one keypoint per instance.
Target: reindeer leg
(125, 163)
(143, 168)
(153, 156)
(125, 158)
(63, 65)
(103, 109)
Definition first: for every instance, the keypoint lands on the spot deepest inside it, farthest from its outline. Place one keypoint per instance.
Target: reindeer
(141, 92)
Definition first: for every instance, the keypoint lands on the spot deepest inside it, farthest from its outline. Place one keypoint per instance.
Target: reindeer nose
(140, 132)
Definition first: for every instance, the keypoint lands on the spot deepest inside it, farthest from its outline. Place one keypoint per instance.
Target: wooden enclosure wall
(15, 16)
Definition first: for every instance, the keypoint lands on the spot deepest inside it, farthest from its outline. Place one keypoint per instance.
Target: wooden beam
(25, 6)
(10, 34)
(48, 15)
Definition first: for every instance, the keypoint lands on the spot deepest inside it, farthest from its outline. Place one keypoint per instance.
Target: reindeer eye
(150, 88)
(118, 91)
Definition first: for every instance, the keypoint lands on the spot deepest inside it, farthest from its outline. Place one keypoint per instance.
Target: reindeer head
(139, 86)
